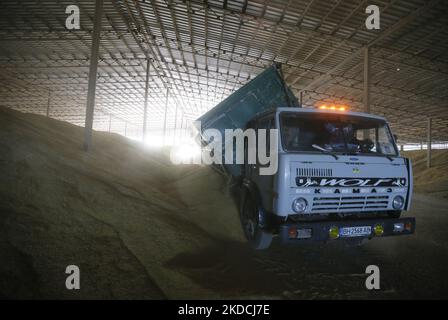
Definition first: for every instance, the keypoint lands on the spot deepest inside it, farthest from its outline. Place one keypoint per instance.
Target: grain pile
(433, 181)
(119, 212)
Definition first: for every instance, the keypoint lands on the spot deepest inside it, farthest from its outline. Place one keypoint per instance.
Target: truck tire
(258, 238)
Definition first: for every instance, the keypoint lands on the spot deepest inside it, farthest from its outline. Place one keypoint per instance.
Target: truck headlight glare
(398, 227)
(378, 229)
(398, 202)
(333, 232)
(299, 205)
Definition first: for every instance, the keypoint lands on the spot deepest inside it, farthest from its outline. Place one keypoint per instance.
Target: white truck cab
(340, 176)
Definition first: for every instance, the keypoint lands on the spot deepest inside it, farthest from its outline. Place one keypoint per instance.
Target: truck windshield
(336, 133)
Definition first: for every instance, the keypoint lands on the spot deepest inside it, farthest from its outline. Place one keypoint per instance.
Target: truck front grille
(349, 203)
(314, 172)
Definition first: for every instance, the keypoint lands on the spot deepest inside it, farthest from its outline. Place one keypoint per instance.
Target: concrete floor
(410, 266)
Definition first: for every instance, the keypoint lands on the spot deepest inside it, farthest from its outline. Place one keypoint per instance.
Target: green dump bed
(265, 92)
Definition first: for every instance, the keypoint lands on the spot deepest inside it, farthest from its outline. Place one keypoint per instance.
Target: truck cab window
(337, 133)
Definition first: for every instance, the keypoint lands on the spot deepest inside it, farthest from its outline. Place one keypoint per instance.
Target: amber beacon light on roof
(334, 107)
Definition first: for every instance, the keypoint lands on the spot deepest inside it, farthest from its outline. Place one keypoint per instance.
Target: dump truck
(339, 174)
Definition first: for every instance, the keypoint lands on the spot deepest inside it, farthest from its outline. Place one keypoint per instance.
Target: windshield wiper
(315, 146)
(357, 154)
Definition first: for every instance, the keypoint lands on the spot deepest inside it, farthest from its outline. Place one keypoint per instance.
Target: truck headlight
(299, 205)
(398, 202)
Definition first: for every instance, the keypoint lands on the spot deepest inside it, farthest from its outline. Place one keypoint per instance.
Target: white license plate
(355, 231)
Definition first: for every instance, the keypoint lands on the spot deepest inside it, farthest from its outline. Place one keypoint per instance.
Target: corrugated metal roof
(204, 50)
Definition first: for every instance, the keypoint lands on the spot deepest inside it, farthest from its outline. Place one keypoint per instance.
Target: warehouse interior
(195, 53)
(79, 108)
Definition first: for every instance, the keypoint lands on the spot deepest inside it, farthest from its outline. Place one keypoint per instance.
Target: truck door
(265, 183)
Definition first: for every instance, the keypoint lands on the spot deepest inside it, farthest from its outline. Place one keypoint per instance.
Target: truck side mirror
(395, 137)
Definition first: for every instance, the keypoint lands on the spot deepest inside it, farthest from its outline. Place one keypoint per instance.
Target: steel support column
(429, 137)
(48, 104)
(366, 96)
(145, 109)
(175, 124)
(93, 75)
(182, 126)
(164, 119)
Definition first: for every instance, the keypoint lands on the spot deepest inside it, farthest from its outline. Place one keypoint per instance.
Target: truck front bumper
(322, 231)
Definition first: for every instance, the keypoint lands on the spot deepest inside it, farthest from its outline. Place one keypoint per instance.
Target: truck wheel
(250, 220)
